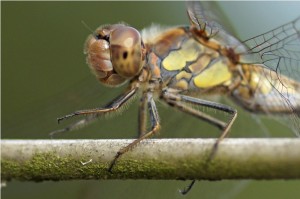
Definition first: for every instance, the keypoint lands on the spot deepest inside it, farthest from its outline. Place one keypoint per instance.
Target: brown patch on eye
(125, 54)
(132, 52)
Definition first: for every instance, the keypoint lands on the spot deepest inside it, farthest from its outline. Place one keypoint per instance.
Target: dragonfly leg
(176, 98)
(214, 105)
(155, 126)
(223, 134)
(93, 114)
(218, 106)
(142, 120)
(113, 106)
(175, 101)
(188, 188)
(76, 125)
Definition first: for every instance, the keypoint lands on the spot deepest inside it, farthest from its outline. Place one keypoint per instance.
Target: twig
(39, 160)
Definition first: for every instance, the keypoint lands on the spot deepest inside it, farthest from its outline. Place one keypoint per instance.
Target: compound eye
(126, 51)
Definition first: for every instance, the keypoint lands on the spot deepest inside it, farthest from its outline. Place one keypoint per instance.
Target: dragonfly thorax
(183, 63)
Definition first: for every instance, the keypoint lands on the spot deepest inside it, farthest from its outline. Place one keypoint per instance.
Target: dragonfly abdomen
(265, 91)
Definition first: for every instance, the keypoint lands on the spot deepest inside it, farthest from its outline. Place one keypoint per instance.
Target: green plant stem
(39, 160)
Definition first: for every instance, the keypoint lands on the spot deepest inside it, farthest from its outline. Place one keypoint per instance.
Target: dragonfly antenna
(86, 26)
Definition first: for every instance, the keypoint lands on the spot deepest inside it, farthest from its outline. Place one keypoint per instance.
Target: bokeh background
(44, 76)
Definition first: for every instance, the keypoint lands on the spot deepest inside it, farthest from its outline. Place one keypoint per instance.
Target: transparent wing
(278, 53)
(205, 16)
(278, 50)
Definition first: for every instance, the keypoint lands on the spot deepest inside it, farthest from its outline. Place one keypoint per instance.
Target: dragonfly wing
(206, 16)
(275, 57)
(277, 52)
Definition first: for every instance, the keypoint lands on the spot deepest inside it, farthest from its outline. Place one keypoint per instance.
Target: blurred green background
(44, 76)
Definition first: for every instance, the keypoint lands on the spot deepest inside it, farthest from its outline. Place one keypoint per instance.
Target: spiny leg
(176, 101)
(95, 113)
(116, 104)
(142, 120)
(155, 126)
(196, 113)
(218, 106)
(222, 136)
(79, 124)
(201, 116)
(188, 188)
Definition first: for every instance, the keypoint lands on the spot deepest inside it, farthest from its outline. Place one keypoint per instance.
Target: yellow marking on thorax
(183, 74)
(177, 59)
(182, 85)
(182, 80)
(213, 76)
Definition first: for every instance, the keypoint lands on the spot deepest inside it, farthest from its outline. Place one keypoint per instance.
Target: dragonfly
(181, 65)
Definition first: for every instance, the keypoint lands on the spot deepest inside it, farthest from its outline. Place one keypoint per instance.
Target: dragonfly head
(115, 53)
